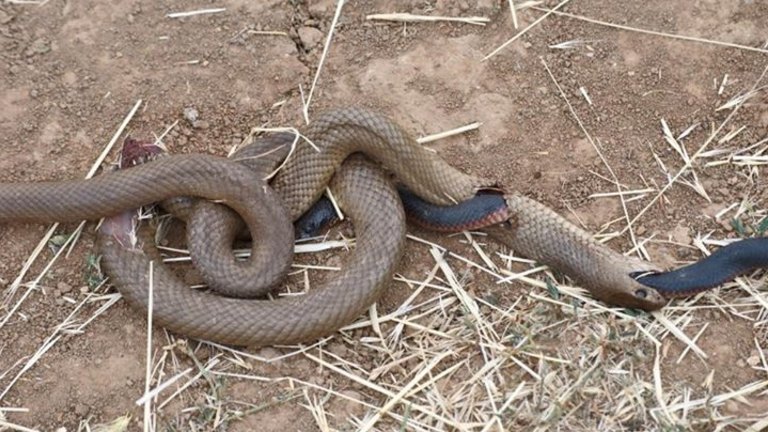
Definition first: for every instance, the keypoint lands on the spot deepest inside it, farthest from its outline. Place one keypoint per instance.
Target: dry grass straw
(195, 12)
(326, 47)
(148, 418)
(411, 18)
(27, 2)
(445, 134)
(650, 32)
(513, 12)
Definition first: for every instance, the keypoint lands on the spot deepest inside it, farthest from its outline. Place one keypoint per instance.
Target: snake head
(617, 285)
(539, 233)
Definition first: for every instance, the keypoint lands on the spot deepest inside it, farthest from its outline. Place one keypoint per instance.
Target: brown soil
(71, 71)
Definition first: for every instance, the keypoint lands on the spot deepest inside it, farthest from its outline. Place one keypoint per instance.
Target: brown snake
(367, 197)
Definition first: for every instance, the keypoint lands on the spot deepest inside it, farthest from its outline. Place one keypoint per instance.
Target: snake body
(536, 231)
(734, 259)
(212, 229)
(368, 197)
(530, 228)
(371, 202)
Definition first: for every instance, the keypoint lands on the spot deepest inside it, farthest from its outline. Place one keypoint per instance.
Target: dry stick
(758, 426)
(525, 30)
(406, 17)
(336, 16)
(694, 340)
(597, 149)
(513, 12)
(267, 32)
(13, 426)
(44, 241)
(651, 32)
(152, 394)
(448, 133)
(34, 283)
(195, 12)
(150, 305)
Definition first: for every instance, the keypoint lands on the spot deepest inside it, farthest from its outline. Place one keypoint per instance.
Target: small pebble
(731, 406)
(81, 410)
(347, 408)
(64, 287)
(5, 17)
(38, 47)
(318, 8)
(190, 114)
(337, 348)
(268, 353)
(310, 36)
(317, 380)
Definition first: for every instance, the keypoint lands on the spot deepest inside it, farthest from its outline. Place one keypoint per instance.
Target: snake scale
(366, 195)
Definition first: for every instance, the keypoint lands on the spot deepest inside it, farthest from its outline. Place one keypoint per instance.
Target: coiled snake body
(365, 194)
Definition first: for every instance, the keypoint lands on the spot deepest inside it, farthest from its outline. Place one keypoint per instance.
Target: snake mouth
(136, 152)
(641, 274)
(643, 293)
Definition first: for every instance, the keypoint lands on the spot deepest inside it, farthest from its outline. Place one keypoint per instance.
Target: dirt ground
(70, 71)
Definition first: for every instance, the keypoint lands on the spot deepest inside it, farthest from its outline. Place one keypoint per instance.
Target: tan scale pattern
(372, 204)
(539, 233)
(367, 197)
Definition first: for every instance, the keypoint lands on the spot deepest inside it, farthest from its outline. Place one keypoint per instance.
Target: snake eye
(641, 293)
(509, 224)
